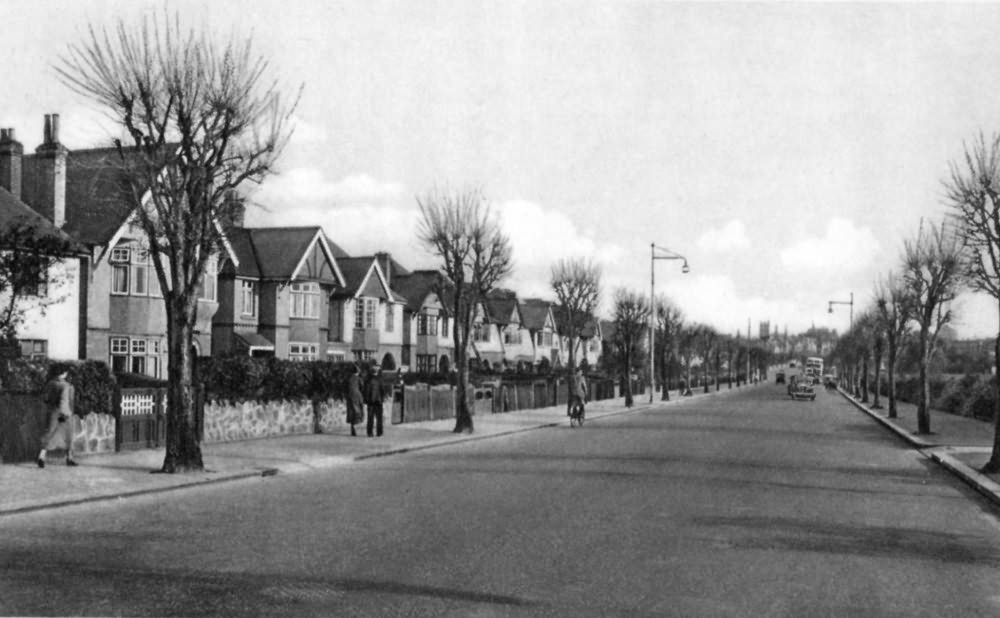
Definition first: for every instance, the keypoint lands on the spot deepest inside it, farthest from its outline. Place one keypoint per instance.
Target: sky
(785, 150)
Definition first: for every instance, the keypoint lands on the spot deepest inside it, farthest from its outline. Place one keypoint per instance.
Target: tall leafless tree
(932, 270)
(460, 228)
(892, 306)
(577, 284)
(669, 320)
(631, 313)
(200, 118)
(707, 337)
(973, 192)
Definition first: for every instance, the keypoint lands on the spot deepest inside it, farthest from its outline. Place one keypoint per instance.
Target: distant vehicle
(816, 363)
(779, 377)
(800, 390)
(791, 364)
(830, 381)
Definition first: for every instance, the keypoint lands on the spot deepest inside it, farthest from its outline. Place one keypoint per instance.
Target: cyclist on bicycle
(577, 393)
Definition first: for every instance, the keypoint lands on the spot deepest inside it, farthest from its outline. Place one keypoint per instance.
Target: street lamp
(831, 303)
(667, 254)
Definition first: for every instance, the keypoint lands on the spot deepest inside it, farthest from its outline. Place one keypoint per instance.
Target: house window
(303, 351)
(426, 324)
(135, 355)
(305, 300)
(140, 273)
(545, 339)
(445, 330)
(364, 312)
(120, 258)
(512, 335)
(364, 355)
(390, 318)
(336, 356)
(426, 363)
(481, 332)
(248, 298)
(207, 287)
(34, 348)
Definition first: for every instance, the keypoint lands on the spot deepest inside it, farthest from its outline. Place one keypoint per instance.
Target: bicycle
(577, 414)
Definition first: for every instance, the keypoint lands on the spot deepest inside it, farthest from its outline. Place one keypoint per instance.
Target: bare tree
(973, 192)
(459, 227)
(706, 347)
(200, 118)
(932, 269)
(631, 313)
(577, 284)
(31, 273)
(866, 332)
(687, 343)
(669, 321)
(893, 309)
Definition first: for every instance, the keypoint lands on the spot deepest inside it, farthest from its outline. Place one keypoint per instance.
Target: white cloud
(732, 237)
(308, 185)
(845, 247)
(539, 237)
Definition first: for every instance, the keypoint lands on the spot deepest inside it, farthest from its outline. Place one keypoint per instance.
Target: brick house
(427, 343)
(516, 339)
(122, 317)
(588, 346)
(366, 316)
(540, 323)
(274, 296)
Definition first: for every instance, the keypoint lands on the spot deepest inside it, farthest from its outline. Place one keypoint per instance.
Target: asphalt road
(748, 504)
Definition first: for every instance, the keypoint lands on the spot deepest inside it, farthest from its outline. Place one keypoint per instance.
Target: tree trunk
(183, 448)
(665, 373)
(864, 379)
(461, 334)
(923, 401)
(729, 369)
(628, 378)
(993, 465)
(704, 373)
(878, 382)
(892, 379)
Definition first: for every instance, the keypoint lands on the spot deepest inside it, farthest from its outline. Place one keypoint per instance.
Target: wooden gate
(141, 415)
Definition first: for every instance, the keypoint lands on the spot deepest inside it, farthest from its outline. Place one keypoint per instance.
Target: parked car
(779, 377)
(791, 364)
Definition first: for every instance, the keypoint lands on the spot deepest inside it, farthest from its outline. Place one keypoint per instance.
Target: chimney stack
(10, 162)
(51, 159)
(385, 263)
(235, 208)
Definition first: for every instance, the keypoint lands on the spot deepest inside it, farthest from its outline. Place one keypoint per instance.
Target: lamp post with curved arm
(831, 303)
(666, 254)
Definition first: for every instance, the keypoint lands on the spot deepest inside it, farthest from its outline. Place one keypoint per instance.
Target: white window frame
(303, 300)
(248, 296)
(303, 351)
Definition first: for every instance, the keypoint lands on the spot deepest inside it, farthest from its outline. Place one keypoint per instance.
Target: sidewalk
(24, 487)
(961, 444)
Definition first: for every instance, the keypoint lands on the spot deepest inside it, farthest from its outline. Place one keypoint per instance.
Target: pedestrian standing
(355, 401)
(59, 398)
(374, 392)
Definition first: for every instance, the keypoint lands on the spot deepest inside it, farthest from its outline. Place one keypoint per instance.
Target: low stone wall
(227, 421)
(94, 433)
(332, 416)
(23, 421)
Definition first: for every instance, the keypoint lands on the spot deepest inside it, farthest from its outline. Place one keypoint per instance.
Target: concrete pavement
(960, 444)
(24, 487)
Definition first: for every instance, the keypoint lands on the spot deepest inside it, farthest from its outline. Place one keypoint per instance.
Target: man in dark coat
(374, 393)
(59, 398)
(355, 401)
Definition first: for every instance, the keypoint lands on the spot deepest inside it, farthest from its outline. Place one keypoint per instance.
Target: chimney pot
(55, 128)
(47, 130)
(10, 162)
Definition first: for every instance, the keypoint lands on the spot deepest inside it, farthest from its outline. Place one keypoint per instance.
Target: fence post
(116, 411)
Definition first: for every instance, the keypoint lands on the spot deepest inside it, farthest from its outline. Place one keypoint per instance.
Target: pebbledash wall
(227, 421)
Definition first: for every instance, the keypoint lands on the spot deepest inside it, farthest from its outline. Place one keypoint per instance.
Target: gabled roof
(534, 312)
(278, 252)
(363, 277)
(607, 330)
(97, 193)
(501, 304)
(416, 286)
(15, 212)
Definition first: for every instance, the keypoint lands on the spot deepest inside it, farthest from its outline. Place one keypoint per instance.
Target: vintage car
(801, 390)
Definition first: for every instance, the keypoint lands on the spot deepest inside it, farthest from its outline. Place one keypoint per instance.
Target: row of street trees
(915, 300)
